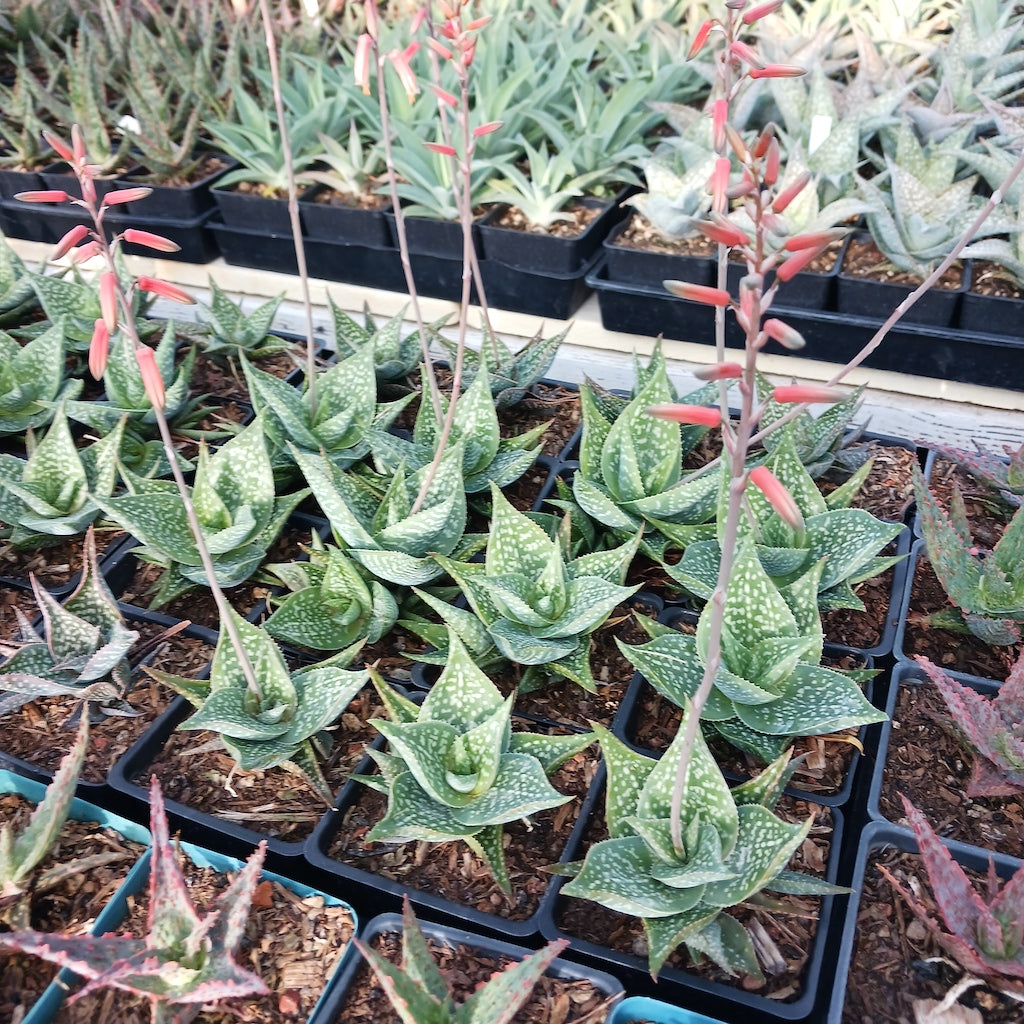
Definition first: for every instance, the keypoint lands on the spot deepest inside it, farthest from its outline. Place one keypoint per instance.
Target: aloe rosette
(236, 506)
(32, 380)
(771, 687)
(231, 332)
(530, 602)
(17, 297)
(733, 847)
(455, 770)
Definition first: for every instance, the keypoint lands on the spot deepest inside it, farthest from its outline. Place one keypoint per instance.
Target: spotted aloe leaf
(57, 492)
(235, 503)
(770, 687)
(456, 771)
(32, 380)
(733, 847)
(17, 297)
(187, 958)
(988, 590)
(1003, 475)
(233, 333)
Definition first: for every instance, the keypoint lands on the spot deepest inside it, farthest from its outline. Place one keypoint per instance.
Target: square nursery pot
(82, 811)
(58, 176)
(12, 182)
(198, 243)
(641, 1009)
(713, 998)
(178, 202)
(875, 300)
(117, 911)
(991, 314)
(428, 236)
(251, 212)
(454, 938)
(543, 253)
(629, 265)
(40, 222)
(878, 837)
(548, 294)
(328, 220)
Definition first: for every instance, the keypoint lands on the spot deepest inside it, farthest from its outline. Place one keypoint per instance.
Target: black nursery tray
(945, 353)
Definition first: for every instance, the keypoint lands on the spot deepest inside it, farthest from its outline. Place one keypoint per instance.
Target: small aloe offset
(332, 602)
(986, 588)
(734, 847)
(983, 932)
(32, 380)
(771, 687)
(58, 491)
(990, 729)
(530, 602)
(420, 994)
(187, 958)
(236, 506)
(284, 721)
(1002, 476)
(82, 652)
(233, 334)
(456, 770)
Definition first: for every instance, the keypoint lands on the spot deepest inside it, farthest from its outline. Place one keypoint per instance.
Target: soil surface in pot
(54, 565)
(928, 763)
(895, 960)
(864, 259)
(888, 491)
(990, 279)
(41, 731)
(292, 942)
(12, 598)
(205, 168)
(959, 652)
(580, 217)
(553, 1001)
(864, 628)
(986, 515)
(194, 769)
(791, 933)
(226, 379)
(451, 869)
(349, 200)
(71, 907)
(639, 233)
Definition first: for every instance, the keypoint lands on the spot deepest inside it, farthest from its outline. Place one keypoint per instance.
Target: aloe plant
(232, 334)
(733, 848)
(58, 490)
(32, 380)
(17, 298)
(419, 991)
(981, 931)
(455, 770)
(771, 687)
(82, 652)
(986, 590)
(330, 604)
(352, 169)
(185, 959)
(530, 602)
(236, 507)
(1001, 476)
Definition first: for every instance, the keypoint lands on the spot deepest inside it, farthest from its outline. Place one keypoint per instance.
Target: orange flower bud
(788, 194)
(400, 62)
(441, 147)
(108, 299)
(372, 21)
(99, 349)
(760, 11)
(788, 337)
(136, 237)
(719, 184)
(486, 129)
(719, 117)
(151, 379)
(46, 195)
(700, 38)
(78, 144)
(809, 393)
(719, 371)
(439, 48)
(126, 195)
(788, 268)
(443, 95)
(699, 293)
(361, 67)
(58, 145)
(764, 140)
(478, 23)
(778, 497)
(165, 290)
(417, 20)
(69, 241)
(738, 146)
(725, 233)
(86, 252)
(746, 54)
(814, 239)
(771, 162)
(777, 71)
(696, 415)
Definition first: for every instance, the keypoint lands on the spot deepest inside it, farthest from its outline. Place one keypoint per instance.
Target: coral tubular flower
(70, 240)
(778, 497)
(764, 140)
(58, 145)
(126, 195)
(151, 241)
(747, 54)
(695, 415)
(372, 21)
(108, 299)
(165, 290)
(700, 39)
(99, 349)
(478, 23)
(788, 194)
(440, 147)
(699, 293)
(46, 195)
(727, 234)
(761, 11)
(78, 144)
(400, 62)
(443, 95)
(814, 240)
(486, 129)
(789, 268)
(361, 67)
(719, 117)
(86, 252)
(151, 379)
(810, 394)
(788, 337)
(439, 48)
(772, 159)
(719, 184)
(719, 371)
(777, 71)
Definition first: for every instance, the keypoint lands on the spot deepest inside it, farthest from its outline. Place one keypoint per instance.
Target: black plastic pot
(427, 236)
(990, 314)
(645, 267)
(682, 988)
(40, 222)
(874, 837)
(547, 294)
(326, 221)
(175, 202)
(453, 937)
(12, 182)
(58, 175)
(540, 253)
(198, 243)
(107, 560)
(253, 213)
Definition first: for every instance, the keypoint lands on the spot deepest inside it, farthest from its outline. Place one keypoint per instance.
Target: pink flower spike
(814, 240)
(771, 162)
(725, 233)
(719, 371)
(788, 337)
(443, 95)
(78, 144)
(58, 145)
(99, 349)
(46, 195)
(440, 147)
(69, 241)
(361, 67)
(400, 62)
(719, 116)
(764, 140)
(695, 415)
(778, 497)
(700, 38)
(151, 379)
(86, 252)
(761, 11)
(699, 293)
(788, 268)
(810, 394)
(439, 48)
(777, 71)
(486, 129)
(136, 237)
(165, 290)
(747, 54)
(788, 194)
(108, 299)
(126, 195)
(719, 184)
